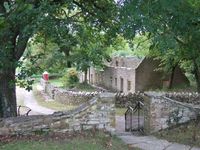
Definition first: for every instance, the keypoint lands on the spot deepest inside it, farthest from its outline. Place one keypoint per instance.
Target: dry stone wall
(186, 97)
(99, 112)
(66, 96)
(123, 100)
(162, 112)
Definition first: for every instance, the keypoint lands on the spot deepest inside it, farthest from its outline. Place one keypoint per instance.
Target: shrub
(70, 79)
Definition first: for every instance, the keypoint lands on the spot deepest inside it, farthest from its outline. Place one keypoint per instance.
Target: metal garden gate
(134, 117)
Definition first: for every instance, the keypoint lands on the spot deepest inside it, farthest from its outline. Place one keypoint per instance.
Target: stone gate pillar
(147, 114)
(107, 108)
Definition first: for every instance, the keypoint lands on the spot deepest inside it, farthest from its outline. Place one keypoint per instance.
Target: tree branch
(20, 46)
(2, 8)
(83, 8)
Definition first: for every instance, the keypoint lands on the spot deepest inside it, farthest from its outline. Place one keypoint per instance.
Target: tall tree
(171, 25)
(92, 50)
(20, 20)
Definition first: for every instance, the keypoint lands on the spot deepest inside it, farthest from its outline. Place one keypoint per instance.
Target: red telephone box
(45, 76)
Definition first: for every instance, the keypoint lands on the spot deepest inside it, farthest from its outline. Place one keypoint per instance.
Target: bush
(70, 79)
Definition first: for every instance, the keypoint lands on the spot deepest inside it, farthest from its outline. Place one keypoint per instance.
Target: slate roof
(128, 62)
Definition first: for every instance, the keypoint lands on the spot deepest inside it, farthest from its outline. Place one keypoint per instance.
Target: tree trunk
(8, 106)
(69, 64)
(196, 75)
(85, 80)
(172, 77)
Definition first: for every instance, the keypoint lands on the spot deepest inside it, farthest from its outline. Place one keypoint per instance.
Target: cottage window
(96, 78)
(121, 84)
(117, 63)
(91, 78)
(115, 81)
(128, 85)
(111, 81)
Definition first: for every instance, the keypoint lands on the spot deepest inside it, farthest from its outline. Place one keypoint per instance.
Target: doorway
(121, 84)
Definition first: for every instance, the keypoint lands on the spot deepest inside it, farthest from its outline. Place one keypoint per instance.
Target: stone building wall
(179, 79)
(133, 74)
(99, 112)
(146, 76)
(162, 112)
(115, 79)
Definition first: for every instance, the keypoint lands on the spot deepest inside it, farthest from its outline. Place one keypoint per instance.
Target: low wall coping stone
(106, 95)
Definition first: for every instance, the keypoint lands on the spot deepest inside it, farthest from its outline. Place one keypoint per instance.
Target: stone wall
(186, 97)
(162, 112)
(66, 96)
(123, 100)
(99, 112)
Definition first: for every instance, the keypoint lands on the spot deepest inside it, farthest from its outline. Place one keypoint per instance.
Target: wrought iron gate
(23, 110)
(134, 117)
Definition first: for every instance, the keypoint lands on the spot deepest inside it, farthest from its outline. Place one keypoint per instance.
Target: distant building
(131, 74)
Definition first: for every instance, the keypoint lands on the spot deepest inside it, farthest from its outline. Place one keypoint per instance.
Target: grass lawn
(84, 87)
(57, 82)
(188, 134)
(79, 86)
(89, 140)
(50, 103)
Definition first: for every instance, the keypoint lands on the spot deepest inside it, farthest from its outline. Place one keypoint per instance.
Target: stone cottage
(131, 74)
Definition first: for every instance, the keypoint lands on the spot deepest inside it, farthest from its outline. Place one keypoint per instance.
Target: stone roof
(128, 62)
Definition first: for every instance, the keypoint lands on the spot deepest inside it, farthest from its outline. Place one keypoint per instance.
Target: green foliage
(23, 22)
(91, 50)
(187, 133)
(26, 70)
(51, 60)
(85, 87)
(48, 24)
(172, 26)
(87, 140)
(175, 117)
(139, 46)
(70, 79)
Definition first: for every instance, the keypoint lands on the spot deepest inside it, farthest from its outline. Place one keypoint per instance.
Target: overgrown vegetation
(70, 79)
(187, 133)
(87, 140)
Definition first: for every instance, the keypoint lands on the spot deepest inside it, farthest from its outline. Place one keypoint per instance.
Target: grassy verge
(78, 87)
(57, 82)
(49, 103)
(84, 87)
(97, 140)
(188, 134)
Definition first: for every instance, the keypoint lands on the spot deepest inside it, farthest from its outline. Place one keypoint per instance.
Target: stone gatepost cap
(106, 94)
(45, 72)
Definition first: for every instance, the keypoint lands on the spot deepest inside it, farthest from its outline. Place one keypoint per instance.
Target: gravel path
(27, 99)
